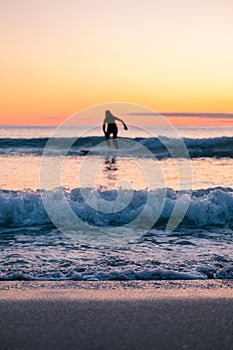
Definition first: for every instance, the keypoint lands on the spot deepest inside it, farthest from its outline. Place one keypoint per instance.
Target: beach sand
(116, 315)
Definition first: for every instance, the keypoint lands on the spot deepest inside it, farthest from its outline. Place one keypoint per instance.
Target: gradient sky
(59, 56)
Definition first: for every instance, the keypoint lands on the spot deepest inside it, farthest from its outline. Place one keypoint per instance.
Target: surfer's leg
(115, 132)
(107, 137)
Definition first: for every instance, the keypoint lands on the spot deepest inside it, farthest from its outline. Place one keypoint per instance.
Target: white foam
(207, 207)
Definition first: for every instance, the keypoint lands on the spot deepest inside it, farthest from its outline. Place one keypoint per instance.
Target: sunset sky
(60, 56)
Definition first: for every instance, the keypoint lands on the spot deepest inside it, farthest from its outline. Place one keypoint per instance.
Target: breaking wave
(212, 207)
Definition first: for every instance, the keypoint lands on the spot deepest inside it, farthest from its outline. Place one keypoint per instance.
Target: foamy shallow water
(45, 254)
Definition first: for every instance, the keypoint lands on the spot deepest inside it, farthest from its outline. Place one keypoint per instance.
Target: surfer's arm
(104, 128)
(120, 120)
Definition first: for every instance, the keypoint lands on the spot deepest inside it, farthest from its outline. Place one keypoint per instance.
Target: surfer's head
(108, 113)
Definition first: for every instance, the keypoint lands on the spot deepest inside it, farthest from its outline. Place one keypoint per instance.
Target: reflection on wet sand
(110, 171)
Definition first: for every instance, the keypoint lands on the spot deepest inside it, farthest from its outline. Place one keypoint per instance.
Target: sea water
(34, 247)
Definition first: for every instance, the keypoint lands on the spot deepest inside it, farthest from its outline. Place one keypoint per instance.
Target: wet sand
(116, 315)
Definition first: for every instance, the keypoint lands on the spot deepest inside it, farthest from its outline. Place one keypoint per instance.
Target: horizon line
(182, 114)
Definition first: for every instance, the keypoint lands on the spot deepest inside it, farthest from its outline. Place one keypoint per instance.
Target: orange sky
(58, 57)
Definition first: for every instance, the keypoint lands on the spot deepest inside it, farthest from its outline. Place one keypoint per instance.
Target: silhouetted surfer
(112, 128)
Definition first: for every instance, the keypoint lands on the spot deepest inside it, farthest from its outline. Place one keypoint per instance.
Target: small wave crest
(133, 273)
(206, 147)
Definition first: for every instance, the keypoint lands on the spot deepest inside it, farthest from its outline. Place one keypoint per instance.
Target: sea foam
(212, 207)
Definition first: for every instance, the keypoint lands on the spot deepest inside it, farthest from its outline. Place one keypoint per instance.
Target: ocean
(75, 208)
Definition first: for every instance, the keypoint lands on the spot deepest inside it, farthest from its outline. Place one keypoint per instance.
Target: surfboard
(102, 151)
(89, 152)
(85, 151)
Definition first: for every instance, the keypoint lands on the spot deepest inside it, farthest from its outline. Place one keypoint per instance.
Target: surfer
(110, 120)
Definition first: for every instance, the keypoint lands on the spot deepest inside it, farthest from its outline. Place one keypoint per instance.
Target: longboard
(85, 151)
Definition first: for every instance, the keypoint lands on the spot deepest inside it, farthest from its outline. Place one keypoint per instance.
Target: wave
(99, 274)
(211, 207)
(161, 147)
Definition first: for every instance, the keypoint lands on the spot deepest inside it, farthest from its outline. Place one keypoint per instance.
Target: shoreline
(116, 289)
(154, 315)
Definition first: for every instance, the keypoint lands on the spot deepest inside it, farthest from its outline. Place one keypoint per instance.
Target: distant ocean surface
(32, 247)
